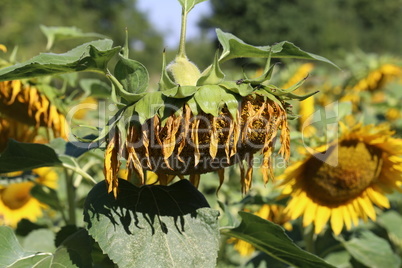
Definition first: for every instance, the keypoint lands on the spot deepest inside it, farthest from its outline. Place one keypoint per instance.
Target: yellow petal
(378, 198)
(309, 213)
(367, 207)
(346, 217)
(336, 221)
(353, 214)
(322, 216)
(297, 206)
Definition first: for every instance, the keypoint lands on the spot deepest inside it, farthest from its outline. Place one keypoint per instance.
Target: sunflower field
(295, 162)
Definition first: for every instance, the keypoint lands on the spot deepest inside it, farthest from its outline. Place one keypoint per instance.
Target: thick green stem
(182, 46)
(71, 196)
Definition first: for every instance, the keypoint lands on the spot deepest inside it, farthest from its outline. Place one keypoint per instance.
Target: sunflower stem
(182, 44)
(308, 237)
(71, 196)
(79, 171)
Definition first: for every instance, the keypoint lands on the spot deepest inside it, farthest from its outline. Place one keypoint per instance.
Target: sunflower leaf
(165, 82)
(174, 221)
(149, 105)
(366, 244)
(179, 92)
(210, 98)
(54, 34)
(132, 75)
(19, 156)
(91, 56)
(212, 75)
(234, 47)
(13, 255)
(241, 89)
(271, 239)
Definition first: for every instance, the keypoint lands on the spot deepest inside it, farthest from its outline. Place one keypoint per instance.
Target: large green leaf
(12, 255)
(271, 239)
(233, 47)
(91, 56)
(75, 251)
(26, 156)
(54, 34)
(372, 251)
(153, 226)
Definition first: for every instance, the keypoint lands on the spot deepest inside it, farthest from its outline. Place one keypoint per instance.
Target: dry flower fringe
(189, 145)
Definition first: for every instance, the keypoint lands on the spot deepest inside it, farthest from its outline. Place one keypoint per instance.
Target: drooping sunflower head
(341, 183)
(23, 102)
(199, 122)
(16, 202)
(16, 130)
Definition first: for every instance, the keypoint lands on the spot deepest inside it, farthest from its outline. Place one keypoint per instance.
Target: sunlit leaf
(40, 240)
(153, 226)
(26, 156)
(379, 250)
(54, 34)
(180, 91)
(149, 105)
(233, 47)
(213, 74)
(91, 56)
(241, 89)
(210, 99)
(165, 82)
(132, 75)
(13, 255)
(271, 239)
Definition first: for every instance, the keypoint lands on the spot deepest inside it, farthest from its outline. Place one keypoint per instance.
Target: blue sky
(165, 16)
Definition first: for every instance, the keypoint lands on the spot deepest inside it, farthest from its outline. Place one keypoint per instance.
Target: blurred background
(328, 28)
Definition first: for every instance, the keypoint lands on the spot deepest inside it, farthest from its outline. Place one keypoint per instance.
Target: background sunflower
(342, 182)
(16, 202)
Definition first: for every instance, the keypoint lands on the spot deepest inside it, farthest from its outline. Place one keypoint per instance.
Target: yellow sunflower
(343, 182)
(377, 78)
(272, 212)
(16, 202)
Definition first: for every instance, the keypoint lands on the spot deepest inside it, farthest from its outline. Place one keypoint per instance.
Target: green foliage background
(323, 27)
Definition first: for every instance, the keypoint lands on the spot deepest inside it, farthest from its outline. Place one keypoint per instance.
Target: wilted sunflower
(25, 103)
(271, 212)
(200, 122)
(16, 202)
(343, 182)
(15, 130)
